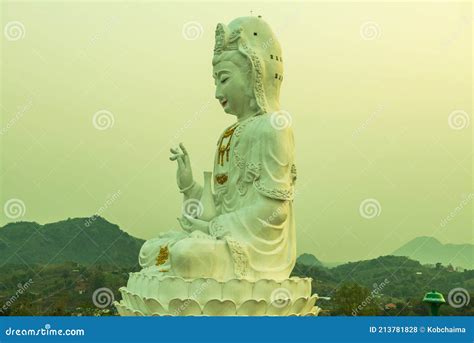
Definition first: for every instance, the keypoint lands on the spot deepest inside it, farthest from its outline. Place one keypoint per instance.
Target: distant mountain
(429, 250)
(83, 240)
(308, 260)
(398, 276)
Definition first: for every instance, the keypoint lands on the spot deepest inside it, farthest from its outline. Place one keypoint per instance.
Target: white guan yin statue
(236, 247)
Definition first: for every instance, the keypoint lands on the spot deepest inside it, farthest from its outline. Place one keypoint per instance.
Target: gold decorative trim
(162, 256)
(221, 178)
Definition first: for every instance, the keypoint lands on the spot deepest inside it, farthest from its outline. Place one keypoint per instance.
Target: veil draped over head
(254, 38)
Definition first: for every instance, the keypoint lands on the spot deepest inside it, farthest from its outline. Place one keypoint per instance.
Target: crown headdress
(226, 41)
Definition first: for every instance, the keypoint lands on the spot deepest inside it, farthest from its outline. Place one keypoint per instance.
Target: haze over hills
(426, 250)
(98, 241)
(396, 276)
(103, 255)
(429, 250)
(80, 240)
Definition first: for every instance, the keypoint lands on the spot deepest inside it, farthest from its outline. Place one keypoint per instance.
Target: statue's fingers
(174, 157)
(191, 219)
(180, 223)
(185, 153)
(180, 161)
(183, 149)
(184, 225)
(174, 151)
(188, 217)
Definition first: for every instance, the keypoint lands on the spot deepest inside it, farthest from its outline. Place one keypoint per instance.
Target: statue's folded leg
(151, 249)
(200, 257)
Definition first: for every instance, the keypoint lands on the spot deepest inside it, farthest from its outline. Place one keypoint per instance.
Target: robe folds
(253, 234)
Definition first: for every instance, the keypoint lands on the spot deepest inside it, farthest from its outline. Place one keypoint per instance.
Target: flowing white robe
(253, 234)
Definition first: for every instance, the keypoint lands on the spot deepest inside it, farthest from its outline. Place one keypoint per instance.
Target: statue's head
(247, 67)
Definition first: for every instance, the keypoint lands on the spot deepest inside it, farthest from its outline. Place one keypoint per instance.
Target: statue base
(151, 294)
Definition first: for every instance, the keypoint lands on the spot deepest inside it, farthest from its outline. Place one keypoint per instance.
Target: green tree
(352, 299)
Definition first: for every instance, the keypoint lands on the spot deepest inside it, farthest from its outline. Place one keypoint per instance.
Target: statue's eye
(224, 80)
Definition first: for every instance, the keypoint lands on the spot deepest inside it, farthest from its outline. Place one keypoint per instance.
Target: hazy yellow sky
(380, 96)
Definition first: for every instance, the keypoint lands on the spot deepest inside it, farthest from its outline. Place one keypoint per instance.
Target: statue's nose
(218, 94)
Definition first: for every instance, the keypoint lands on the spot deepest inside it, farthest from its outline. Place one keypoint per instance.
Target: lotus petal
(309, 305)
(237, 290)
(126, 311)
(126, 297)
(217, 307)
(172, 288)
(143, 285)
(252, 308)
(205, 289)
(138, 303)
(186, 307)
(299, 305)
(120, 308)
(154, 286)
(129, 300)
(138, 284)
(304, 287)
(262, 289)
(137, 313)
(154, 306)
(299, 287)
(279, 308)
(291, 283)
(132, 281)
(314, 311)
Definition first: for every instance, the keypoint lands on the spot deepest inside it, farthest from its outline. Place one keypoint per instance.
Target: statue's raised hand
(184, 175)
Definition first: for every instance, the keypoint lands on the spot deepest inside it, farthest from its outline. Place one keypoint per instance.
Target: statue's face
(233, 89)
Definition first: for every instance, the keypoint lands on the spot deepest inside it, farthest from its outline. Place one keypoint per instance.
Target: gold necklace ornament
(224, 145)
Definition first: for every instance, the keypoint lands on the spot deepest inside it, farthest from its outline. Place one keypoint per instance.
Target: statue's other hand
(191, 224)
(184, 174)
(185, 224)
